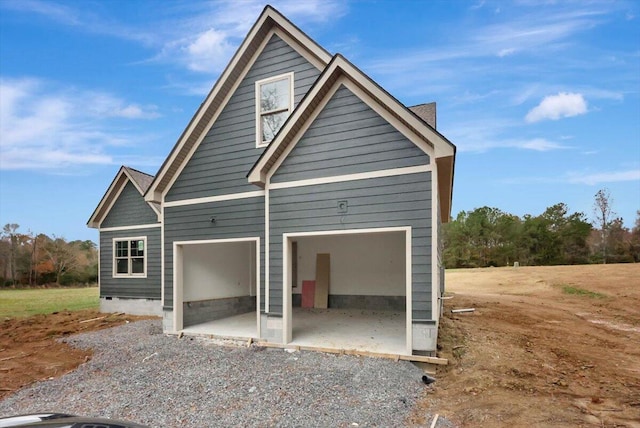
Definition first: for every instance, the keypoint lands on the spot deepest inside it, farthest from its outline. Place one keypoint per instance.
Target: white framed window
(130, 257)
(274, 103)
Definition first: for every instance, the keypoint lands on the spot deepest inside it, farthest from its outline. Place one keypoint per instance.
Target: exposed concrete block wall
(131, 306)
(389, 303)
(209, 310)
(271, 328)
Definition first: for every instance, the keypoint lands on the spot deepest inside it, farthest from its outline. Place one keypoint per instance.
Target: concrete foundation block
(131, 306)
(425, 335)
(271, 328)
(167, 321)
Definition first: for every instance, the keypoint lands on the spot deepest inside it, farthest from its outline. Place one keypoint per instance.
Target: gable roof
(341, 71)
(426, 112)
(140, 180)
(269, 21)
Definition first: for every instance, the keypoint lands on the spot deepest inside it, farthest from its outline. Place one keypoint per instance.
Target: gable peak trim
(270, 20)
(124, 175)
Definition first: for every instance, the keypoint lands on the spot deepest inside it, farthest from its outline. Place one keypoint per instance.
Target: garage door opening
(216, 284)
(368, 293)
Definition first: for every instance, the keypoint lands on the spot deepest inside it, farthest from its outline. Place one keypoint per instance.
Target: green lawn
(23, 303)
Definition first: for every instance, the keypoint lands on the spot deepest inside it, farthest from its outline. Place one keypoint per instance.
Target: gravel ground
(139, 374)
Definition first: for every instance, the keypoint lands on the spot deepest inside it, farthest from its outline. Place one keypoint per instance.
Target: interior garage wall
(361, 264)
(217, 271)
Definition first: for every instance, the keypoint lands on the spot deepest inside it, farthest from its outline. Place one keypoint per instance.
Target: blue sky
(542, 98)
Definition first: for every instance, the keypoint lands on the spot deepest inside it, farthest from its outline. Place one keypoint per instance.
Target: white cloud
(104, 105)
(209, 52)
(539, 145)
(47, 129)
(218, 28)
(604, 177)
(554, 107)
(506, 52)
(481, 135)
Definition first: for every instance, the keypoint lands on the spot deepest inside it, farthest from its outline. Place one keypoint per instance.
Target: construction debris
(459, 311)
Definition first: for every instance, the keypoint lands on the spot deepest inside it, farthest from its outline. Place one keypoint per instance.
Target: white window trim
(113, 257)
(259, 142)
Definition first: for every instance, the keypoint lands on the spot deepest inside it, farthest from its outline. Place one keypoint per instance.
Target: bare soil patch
(29, 351)
(534, 355)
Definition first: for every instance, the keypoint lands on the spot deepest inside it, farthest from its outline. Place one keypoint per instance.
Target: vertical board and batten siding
(348, 137)
(239, 218)
(403, 200)
(131, 287)
(130, 209)
(220, 164)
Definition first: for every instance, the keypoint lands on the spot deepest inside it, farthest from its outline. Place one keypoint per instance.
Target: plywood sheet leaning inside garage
(323, 269)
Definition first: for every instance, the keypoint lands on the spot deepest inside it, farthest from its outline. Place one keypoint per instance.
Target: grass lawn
(23, 303)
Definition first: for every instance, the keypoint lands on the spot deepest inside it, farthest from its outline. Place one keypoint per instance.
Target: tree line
(30, 259)
(490, 237)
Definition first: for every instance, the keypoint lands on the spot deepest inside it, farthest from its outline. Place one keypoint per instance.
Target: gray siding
(227, 153)
(141, 288)
(348, 137)
(381, 202)
(130, 209)
(240, 218)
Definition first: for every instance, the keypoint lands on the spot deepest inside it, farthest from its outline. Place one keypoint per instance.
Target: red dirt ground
(29, 351)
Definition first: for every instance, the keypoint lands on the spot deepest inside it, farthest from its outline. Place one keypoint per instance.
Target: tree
(9, 230)
(63, 256)
(635, 239)
(603, 213)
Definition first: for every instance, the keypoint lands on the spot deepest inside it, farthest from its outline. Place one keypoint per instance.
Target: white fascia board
(370, 94)
(290, 33)
(133, 227)
(441, 146)
(352, 177)
(142, 193)
(118, 190)
(152, 194)
(94, 222)
(220, 198)
(135, 184)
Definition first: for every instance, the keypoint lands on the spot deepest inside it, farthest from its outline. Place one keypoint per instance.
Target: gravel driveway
(139, 374)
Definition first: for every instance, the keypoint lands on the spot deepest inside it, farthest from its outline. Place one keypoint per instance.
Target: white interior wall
(370, 264)
(216, 271)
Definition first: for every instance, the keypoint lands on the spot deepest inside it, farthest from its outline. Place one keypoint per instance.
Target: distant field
(23, 303)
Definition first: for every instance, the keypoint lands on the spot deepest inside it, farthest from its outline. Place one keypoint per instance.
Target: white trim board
(134, 227)
(287, 309)
(352, 177)
(281, 27)
(219, 198)
(178, 275)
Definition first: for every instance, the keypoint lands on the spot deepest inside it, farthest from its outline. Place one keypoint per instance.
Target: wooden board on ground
(321, 300)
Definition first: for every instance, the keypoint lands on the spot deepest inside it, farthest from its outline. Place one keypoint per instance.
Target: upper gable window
(274, 102)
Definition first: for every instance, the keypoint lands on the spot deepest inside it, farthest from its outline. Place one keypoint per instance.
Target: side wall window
(274, 103)
(129, 257)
